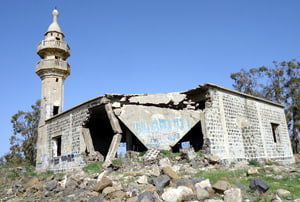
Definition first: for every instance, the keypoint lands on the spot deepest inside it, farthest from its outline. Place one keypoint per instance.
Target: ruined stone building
(220, 121)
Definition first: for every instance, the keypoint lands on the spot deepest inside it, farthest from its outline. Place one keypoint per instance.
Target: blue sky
(141, 46)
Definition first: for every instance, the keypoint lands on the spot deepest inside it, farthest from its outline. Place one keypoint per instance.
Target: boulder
(221, 186)
(170, 172)
(283, 193)
(276, 198)
(143, 180)
(259, 185)
(50, 186)
(176, 194)
(108, 190)
(155, 170)
(150, 196)
(203, 184)
(202, 194)
(252, 171)
(233, 194)
(103, 183)
(165, 162)
(161, 181)
(212, 159)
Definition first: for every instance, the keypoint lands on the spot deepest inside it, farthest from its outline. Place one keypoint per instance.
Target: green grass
(233, 177)
(118, 161)
(254, 163)
(239, 177)
(169, 154)
(94, 167)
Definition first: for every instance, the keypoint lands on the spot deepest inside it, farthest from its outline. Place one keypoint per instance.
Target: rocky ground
(162, 176)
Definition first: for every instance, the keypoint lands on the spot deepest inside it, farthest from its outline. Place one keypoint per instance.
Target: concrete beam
(114, 122)
(113, 148)
(88, 140)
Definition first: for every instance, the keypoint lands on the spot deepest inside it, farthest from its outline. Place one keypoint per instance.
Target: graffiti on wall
(158, 132)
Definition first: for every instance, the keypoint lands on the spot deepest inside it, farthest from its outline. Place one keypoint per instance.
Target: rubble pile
(153, 177)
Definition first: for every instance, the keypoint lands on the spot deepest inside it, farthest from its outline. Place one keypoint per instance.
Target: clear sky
(141, 46)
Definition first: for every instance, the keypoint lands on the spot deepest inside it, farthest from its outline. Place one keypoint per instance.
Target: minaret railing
(53, 44)
(52, 63)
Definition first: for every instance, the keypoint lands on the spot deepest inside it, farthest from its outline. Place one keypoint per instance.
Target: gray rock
(176, 194)
(233, 194)
(165, 162)
(161, 181)
(202, 194)
(50, 186)
(221, 186)
(197, 179)
(148, 196)
(283, 192)
(259, 185)
(183, 182)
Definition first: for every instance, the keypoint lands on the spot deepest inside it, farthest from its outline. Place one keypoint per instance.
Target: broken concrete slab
(162, 98)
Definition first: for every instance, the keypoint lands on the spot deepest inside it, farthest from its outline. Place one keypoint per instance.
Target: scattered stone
(276, 198)
(170, 172)
(165, 162)
(203, 184)
(176, 194)
(103, 183)
(51, 186)
(31, 182)
(108, 190)
(221, 186)
(212, 158)
(252, 171)
(202, 194)
(143, 180)
(149, 196)
(259, 185)
(161, 181)
(283, 193)
(233, 194)
(183, 182)
(155, 170)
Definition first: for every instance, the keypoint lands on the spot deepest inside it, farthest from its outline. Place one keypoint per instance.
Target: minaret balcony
(53, 46)
(53, 65)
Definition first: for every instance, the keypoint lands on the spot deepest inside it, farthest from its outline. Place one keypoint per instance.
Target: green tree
(281, 84)
(24, 138)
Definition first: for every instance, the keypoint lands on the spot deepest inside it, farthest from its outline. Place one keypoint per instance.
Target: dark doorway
(132, 142)
(194, 137)
(100, 129)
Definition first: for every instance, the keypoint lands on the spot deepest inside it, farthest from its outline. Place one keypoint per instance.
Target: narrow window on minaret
(56, 79)
(55, 110)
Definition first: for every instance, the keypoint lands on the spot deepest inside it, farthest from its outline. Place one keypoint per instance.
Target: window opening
(56, 79)
(56, 146)
(55, 110)
(57, 38)
(275, 132)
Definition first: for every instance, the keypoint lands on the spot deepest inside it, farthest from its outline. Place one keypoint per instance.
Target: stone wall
(68, 126)
(240, 127)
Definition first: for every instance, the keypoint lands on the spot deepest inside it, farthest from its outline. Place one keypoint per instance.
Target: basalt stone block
(161, 181)
(258, 184)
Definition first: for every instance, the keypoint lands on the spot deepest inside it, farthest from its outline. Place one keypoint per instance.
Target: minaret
(53, 69)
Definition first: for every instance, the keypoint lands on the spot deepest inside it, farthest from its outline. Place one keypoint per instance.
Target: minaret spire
(53, 69)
